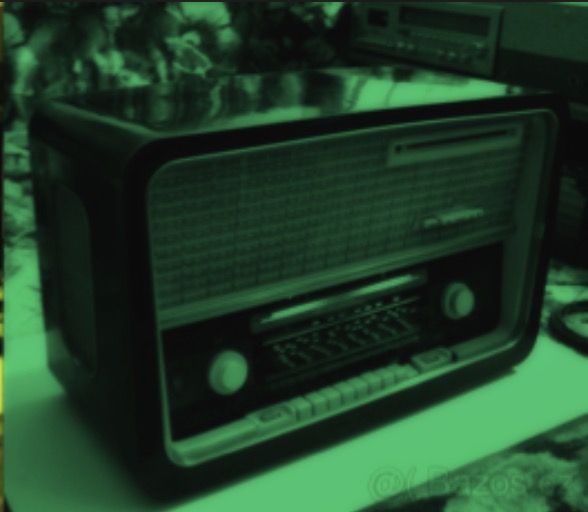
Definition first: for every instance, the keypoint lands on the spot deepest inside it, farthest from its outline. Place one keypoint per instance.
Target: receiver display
(452, 21)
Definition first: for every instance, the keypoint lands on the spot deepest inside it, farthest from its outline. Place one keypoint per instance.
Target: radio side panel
(96, 333)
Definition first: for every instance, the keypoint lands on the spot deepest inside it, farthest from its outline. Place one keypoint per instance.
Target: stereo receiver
(538, 44)
(458, 36)
(237, 270)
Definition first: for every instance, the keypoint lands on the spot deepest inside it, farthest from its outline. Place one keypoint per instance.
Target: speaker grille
(237, 221)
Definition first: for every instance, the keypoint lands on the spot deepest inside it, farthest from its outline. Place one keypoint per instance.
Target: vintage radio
(237, 270)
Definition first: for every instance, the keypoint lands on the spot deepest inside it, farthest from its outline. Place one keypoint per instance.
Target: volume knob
(228, 372)
(458, 301)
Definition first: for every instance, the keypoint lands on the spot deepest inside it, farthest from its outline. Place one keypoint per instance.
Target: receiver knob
(458, 301)
(228, 372)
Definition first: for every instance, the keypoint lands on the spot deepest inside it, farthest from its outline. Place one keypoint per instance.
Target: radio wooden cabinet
(238, 270)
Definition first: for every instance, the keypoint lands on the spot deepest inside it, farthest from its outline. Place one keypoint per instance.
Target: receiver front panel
(243, 220)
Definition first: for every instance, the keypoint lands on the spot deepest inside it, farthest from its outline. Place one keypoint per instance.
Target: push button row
(349, 391)
(343, 393)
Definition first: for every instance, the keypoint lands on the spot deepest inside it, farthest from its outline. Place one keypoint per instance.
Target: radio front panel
(298, 281)
(321, 338)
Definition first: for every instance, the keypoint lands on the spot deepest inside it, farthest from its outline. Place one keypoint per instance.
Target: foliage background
(61, 48)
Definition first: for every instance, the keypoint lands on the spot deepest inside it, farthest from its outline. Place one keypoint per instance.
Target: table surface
(52, 461)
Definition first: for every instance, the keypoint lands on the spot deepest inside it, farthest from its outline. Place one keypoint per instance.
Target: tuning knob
(228, 372)
(458, 301)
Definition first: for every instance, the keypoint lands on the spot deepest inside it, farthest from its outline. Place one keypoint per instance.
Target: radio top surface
(197, 105)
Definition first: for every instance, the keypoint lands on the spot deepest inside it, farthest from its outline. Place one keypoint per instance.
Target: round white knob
(228, 372)
(458, 301)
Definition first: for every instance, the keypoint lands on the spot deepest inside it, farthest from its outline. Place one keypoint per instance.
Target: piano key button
(374, 381)
(302, 408)
(347, 392)
(274, 417)
(360, 386)
(404, 372)
(387, 375)
(332, 395)
(319, 402)
(432, 359)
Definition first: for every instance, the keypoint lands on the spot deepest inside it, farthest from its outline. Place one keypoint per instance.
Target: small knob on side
(458, 301)
(228, 372)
